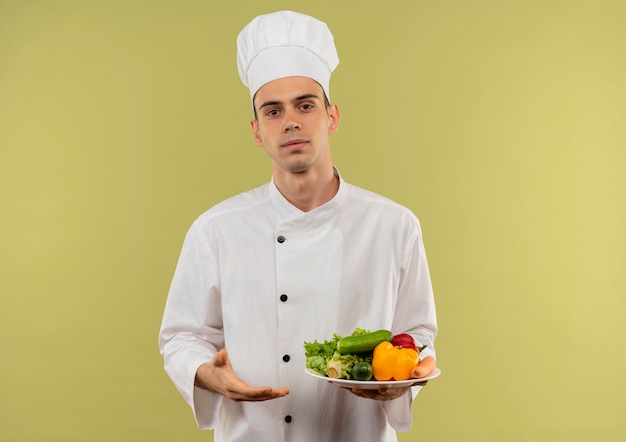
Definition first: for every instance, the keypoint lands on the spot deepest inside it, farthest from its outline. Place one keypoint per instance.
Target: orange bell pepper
(390, 362)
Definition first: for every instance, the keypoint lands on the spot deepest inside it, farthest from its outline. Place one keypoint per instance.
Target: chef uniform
(259, 277)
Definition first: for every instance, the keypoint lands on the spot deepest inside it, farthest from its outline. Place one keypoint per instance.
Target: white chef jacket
(259, 277)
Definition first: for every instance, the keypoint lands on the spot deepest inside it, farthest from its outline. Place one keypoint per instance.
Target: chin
(296, 167)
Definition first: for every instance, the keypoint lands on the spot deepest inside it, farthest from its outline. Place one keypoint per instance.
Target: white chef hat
(285, 44)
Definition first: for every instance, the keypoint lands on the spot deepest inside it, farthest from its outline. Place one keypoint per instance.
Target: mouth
(294, 143)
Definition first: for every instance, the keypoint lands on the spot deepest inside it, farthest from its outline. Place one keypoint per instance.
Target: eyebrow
(295, 100)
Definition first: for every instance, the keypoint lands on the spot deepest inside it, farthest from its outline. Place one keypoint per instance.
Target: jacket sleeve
(191, 329)
(414, 314)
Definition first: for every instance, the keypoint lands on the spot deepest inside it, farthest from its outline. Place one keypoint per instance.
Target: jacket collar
(287, 212)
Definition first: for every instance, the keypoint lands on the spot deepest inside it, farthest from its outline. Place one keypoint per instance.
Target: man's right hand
(218, 376)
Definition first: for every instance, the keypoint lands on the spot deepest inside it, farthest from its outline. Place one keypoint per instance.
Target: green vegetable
(363, 343)
(319, 354)
(362, 371)
(324, 359)
(341, 366)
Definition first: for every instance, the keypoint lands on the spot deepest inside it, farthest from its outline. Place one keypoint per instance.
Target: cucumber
(362, 371)
(363, 343)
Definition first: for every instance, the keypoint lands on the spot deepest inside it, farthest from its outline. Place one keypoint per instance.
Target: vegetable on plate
(366, 355)
(363, 343)
(395, 363)
(324, 359)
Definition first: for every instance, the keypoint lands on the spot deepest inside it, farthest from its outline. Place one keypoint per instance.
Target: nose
(291, 122)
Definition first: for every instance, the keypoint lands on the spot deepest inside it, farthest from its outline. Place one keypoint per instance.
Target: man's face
(294, 125)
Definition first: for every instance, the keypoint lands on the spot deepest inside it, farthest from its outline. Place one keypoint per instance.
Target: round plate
(373, 385)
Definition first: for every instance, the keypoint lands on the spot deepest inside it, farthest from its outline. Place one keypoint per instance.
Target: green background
(501, 124)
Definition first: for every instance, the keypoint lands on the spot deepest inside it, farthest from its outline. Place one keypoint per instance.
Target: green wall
(500, 123)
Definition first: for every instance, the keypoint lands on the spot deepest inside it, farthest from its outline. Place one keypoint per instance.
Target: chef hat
(285, 44)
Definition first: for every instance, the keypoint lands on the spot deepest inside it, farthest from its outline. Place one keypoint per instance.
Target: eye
(306, 107)
(272, 113)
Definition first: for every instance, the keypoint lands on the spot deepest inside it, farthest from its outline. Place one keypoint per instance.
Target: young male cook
(298, 259)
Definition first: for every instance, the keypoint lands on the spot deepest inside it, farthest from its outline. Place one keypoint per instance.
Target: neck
(307, 190)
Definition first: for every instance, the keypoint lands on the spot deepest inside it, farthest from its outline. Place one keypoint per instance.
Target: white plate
(373, 385)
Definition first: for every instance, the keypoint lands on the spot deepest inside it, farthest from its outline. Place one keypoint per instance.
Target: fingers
(218, 377)
(234, 388)
(380, 394)
(257, 394)
(220, 358)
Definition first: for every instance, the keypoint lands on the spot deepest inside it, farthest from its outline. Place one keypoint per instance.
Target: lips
(294, 142)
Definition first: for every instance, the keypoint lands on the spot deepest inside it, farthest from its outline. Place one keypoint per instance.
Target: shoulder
(363, 199)
(247, 203)
(371, 210)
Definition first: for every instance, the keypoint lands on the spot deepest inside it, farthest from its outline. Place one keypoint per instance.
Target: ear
(333, 114)
(254, 125)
